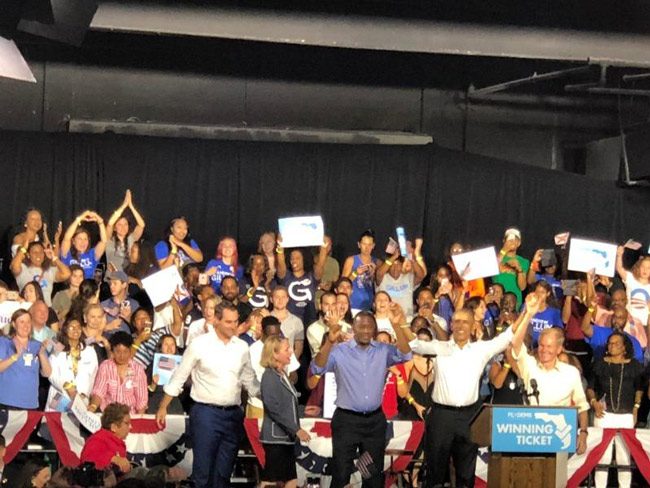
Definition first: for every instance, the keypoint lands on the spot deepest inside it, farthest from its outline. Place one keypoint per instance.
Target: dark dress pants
(353, 434)
(448, 435)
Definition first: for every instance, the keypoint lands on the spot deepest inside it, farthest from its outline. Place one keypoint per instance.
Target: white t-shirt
(292, 329)
(400, 290)
(44, 278)
(384, 325)
(638, 296)
(165, 318)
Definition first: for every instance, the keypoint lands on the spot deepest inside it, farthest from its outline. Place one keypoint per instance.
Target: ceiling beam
(375, 33)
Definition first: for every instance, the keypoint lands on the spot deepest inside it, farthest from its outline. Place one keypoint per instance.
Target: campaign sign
(301, 231)
(534, 429)
(585, 255)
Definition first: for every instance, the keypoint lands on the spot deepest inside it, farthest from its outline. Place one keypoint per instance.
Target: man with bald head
(557, 384)
(459, 365)
(360, 366)
(39, 311)
(597, 335)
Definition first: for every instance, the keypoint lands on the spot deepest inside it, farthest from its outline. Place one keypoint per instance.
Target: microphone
(521, 387)
(535, 393)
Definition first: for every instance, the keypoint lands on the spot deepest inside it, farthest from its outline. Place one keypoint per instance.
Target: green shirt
(509, 280)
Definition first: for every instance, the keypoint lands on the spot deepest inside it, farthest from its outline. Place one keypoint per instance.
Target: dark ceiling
(355, 66)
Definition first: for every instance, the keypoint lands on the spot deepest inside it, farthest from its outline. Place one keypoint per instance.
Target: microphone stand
(522, 391)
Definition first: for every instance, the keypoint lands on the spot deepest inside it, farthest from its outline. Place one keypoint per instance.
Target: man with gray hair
(558, 384)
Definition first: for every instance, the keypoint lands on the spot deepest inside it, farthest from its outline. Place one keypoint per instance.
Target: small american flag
(167, 363)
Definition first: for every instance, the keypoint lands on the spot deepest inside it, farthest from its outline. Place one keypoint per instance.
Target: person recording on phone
(120, 306)
(459, 365)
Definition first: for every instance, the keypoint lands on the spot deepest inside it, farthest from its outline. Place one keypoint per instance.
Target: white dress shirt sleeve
(179, 377)
(248, 377)
(498, 344)
(424, 347)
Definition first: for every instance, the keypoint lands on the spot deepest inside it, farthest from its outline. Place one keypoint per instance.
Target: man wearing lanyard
(360, 366)
(219, 364)
(459, 365)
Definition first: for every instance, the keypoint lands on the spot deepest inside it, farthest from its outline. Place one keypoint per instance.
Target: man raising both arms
(459, 365)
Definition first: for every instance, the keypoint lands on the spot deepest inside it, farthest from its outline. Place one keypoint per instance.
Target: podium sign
(534, 429)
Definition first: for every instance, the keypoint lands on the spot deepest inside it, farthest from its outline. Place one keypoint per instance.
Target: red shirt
(101, 447)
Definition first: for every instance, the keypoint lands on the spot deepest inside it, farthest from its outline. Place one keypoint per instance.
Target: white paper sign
(481, 263)
(89, 420)
(301, 231)
(585, 255)
(329, 395)
(161, 285)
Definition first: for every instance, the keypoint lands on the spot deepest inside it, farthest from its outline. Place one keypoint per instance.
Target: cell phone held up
(569, 287)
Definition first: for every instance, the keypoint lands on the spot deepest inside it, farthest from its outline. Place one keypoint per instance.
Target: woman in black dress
(615, 392)
(503, 378)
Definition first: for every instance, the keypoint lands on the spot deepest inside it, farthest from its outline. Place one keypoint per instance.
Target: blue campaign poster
(535, 429)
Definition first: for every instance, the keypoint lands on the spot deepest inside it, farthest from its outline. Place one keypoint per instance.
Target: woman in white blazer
(73, 368)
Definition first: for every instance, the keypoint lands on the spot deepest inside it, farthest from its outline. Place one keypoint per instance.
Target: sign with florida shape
(537, 429)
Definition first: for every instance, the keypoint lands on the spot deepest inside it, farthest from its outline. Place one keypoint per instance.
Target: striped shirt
(110, 388)
(144, 354)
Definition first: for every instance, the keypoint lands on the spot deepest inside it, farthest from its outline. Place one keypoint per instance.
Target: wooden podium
(518, 469)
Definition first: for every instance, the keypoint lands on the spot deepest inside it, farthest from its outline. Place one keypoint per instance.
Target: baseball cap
(118, 275)
(512, 233)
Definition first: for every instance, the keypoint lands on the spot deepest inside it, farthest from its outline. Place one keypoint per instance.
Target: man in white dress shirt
(459, 365)
(558, 384)
(219, 364)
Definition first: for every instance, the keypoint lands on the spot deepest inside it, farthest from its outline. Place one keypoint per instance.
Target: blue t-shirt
(260, 298)
(445, 309)
(551, 317)
(223, 270)
(363, 287)
(598, 343)
(301, 292)
(86, 260)
(162, 251)
(112, 311)
(19, 382)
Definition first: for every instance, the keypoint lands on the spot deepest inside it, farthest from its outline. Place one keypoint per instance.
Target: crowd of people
(79, 327)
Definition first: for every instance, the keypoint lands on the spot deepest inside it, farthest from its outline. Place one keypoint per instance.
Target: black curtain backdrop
(241, 188)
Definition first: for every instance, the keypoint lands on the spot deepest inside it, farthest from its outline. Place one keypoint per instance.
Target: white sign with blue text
(534, 429)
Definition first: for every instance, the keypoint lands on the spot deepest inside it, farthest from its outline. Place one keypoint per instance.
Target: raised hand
(49, 253)
(334, 332)
(59, 231)
(396, 314)
(418, 245)
(332, 317)
(532, 303)
(327, 243)
(173, 242)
